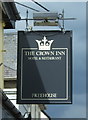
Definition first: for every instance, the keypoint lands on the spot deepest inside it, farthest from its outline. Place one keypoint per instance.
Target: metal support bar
(50, 19)
(27, 6)
(63, 20)
(27, 20)
(40, 5)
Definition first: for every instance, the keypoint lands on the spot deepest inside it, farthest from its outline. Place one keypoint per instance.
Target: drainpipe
(35, 111)
(1, 50)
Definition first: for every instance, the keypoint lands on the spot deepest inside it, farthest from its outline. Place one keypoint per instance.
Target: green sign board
(44, 71)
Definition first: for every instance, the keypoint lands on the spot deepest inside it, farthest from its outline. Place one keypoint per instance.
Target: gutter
(11, 10)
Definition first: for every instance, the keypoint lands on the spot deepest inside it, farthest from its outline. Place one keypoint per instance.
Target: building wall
(10, 45)
(10, 60)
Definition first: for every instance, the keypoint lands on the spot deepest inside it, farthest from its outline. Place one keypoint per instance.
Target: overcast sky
(76, 10)
(53, 0)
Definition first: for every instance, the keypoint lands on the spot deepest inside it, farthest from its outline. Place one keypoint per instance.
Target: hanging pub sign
(44, 67)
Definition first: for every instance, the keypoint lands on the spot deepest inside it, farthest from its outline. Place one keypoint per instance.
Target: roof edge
(9, 105)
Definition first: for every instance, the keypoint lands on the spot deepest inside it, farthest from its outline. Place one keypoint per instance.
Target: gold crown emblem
(44, 44)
